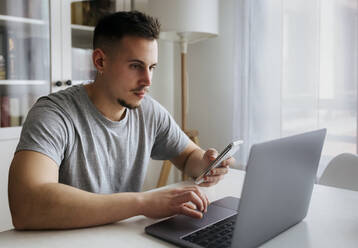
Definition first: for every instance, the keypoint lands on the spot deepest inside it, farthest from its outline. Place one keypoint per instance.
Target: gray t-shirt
(94, 153)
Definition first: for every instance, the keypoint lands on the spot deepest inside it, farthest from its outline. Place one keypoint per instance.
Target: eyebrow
(140, 62)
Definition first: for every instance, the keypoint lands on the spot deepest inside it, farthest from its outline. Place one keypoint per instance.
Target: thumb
(211, 154)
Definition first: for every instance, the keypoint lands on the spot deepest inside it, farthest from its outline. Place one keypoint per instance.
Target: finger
(190, 205)
(211, 153)
(224, 163)
(210, 181)
(197, 190)
(203, 197)
(213, 179)
(190, 212)
(207, 200)
(219, 171)
(190, 196)
(228, 162)
(205, 184)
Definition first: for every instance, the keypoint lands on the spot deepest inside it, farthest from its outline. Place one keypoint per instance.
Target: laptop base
(179, 226)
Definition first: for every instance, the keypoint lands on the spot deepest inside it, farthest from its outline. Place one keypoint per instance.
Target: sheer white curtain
(297, 70)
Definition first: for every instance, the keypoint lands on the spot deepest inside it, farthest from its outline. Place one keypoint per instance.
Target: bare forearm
(58, 206)
(195, 164)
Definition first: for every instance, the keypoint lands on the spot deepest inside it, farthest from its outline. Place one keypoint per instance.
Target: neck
(104, 102)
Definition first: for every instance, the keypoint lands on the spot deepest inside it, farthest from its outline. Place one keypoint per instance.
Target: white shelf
(82, 27)
(9, 133)
(23, 82)
(22, 20)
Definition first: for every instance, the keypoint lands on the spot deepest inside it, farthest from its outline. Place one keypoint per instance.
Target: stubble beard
(130, 106)
(126, 105)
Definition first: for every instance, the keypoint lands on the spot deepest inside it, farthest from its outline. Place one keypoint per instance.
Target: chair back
(342, 172)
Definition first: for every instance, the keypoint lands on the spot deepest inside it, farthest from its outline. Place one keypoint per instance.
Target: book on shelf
(5, 111)
(24, 58)
(14, 112)
(17, 56)
(13, 54)
(2, 68)
(76, 13)
(2, 53)
(79, 12)
(10, 56)
(13, 109)
(89, 12)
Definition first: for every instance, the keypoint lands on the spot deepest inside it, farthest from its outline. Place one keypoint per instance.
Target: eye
(152, 68)
(135, 66)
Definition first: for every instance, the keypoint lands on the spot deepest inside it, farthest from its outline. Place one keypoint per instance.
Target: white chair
(342, 172)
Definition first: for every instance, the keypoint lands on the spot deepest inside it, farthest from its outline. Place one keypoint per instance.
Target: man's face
(128, 71)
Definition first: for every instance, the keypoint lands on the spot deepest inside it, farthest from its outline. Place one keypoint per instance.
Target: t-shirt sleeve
(45, 130)
(170, 140)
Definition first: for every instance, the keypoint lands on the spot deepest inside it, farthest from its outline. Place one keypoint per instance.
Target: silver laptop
(276, 193)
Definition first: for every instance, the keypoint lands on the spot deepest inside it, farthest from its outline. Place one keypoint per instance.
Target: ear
(98, 58)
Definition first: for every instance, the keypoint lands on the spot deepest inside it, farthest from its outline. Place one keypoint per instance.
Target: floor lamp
(184, 22)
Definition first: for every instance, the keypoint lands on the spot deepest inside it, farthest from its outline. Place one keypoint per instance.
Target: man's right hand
(189, 201)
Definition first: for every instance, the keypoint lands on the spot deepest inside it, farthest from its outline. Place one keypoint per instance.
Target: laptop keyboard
(217, 235)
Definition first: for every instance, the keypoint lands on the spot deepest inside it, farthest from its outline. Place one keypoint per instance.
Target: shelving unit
(50, 22)
(23, 82)
(25, 61)
(82, 27)
(22, 20)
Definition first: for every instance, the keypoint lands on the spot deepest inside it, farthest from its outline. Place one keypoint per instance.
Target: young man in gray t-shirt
(83, 152)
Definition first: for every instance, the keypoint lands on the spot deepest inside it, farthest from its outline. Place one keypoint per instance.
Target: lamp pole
(184, 83)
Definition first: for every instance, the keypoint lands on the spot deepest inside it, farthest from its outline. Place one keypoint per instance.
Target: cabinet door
(77, 24)
(24, 60)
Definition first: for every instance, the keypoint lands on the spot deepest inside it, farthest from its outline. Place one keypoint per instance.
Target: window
(300, 60)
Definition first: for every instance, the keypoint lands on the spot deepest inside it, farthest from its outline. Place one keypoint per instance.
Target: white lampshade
(186, 20)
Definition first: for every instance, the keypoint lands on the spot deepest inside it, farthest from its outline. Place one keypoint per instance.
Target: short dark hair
(113, 27)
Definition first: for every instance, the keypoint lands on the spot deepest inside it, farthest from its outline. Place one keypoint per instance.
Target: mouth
(140, 94)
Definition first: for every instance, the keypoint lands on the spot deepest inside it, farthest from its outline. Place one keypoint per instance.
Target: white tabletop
(332, 221)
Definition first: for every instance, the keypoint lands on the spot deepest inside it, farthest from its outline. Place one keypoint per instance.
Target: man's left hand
(217, 173)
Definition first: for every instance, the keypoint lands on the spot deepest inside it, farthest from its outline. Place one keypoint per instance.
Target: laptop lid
(277, 188)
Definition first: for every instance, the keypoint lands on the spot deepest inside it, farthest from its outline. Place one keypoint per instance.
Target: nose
(147, 77)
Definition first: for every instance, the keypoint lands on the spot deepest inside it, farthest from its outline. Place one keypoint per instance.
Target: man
(82, 155)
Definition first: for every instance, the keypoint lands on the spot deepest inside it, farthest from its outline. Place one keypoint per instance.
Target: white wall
(211, 82)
